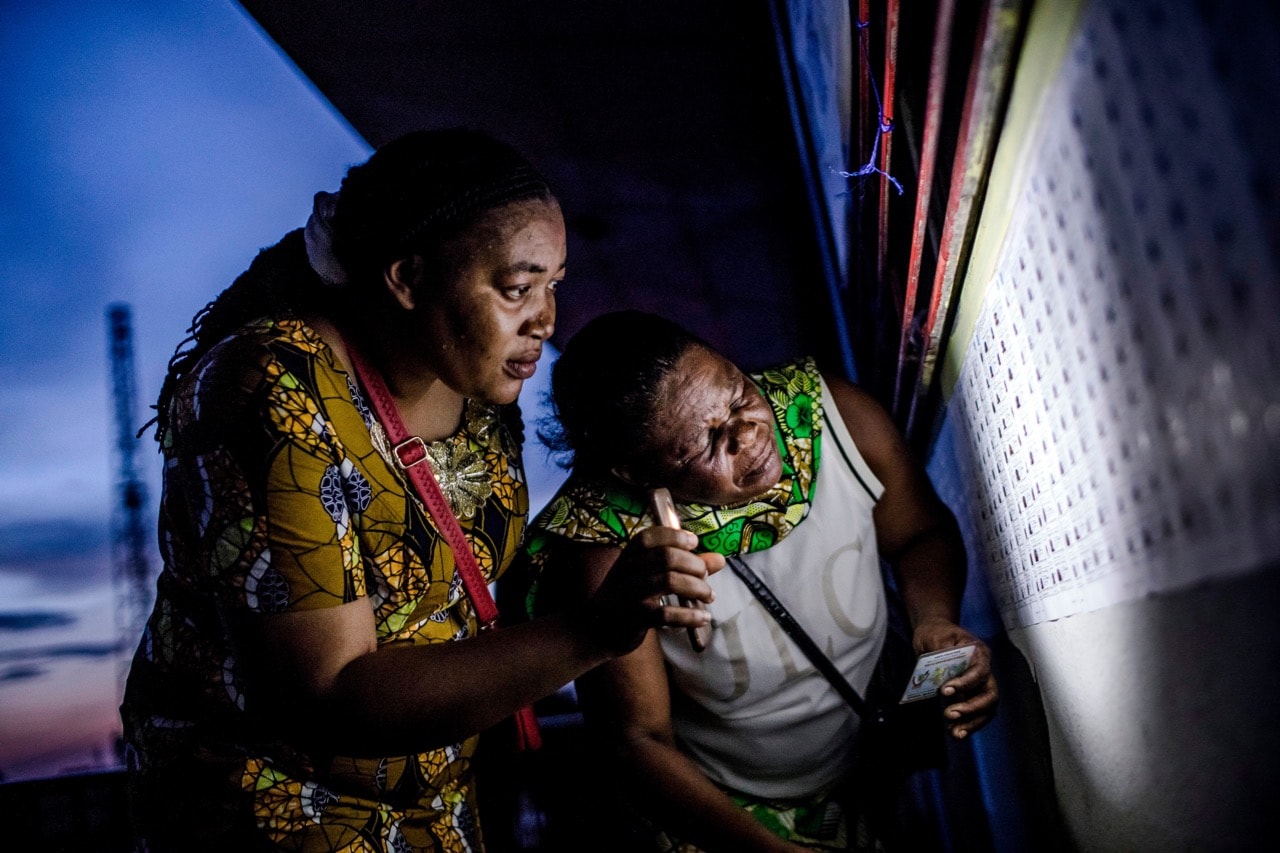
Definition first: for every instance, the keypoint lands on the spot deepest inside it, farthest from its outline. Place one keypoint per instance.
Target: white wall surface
(1116, 412)
(1162, 717)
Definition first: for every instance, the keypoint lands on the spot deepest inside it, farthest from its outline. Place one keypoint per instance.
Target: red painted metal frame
(955, 199)
(890, 77)
(933, 118)
(985, 90)
(864, 85)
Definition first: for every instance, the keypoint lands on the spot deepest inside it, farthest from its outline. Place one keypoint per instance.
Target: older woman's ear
(401, 278)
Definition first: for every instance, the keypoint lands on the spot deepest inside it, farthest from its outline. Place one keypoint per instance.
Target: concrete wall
(1162, 717)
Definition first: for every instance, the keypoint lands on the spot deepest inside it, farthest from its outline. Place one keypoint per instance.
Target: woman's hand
(657, 562)
(973, 693)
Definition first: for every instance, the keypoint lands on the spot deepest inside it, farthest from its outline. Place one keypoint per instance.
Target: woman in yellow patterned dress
(312, 676)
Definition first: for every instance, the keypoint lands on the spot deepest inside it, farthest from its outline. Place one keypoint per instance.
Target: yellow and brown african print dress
(276, 498)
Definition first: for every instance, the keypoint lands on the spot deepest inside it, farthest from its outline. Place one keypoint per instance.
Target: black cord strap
(815, 655)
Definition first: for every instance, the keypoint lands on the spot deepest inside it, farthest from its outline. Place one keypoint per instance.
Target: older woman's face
(713, 434)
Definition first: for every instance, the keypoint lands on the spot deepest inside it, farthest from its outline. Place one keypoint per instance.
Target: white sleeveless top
(751, 709)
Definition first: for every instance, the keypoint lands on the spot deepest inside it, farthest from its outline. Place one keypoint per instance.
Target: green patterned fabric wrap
(610, 513)
(832, 819)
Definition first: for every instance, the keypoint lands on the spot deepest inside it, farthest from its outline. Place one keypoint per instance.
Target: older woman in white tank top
(745, 745)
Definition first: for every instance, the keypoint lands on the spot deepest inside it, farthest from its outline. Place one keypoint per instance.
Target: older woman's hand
(970, 698)
(658, 562)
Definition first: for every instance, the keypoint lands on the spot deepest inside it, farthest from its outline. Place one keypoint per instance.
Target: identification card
(934, 670)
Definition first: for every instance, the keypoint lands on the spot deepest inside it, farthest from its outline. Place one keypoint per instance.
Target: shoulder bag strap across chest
(802, 639)
(410, 453)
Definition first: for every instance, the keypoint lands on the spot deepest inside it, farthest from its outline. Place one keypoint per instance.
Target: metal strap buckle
(404, 447)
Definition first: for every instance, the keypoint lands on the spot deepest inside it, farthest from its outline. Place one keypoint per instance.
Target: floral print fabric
(276, 499)
(833, 819)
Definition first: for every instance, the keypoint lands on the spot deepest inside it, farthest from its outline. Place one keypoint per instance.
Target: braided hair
(413, 196)
(604, 388)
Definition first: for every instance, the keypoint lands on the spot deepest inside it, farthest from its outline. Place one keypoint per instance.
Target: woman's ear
(401, 278)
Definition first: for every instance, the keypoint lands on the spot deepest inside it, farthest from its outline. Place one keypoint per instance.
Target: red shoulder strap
(411, 457)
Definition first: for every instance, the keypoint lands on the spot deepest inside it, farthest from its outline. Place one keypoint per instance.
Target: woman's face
(486, 330)
(714, 432)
